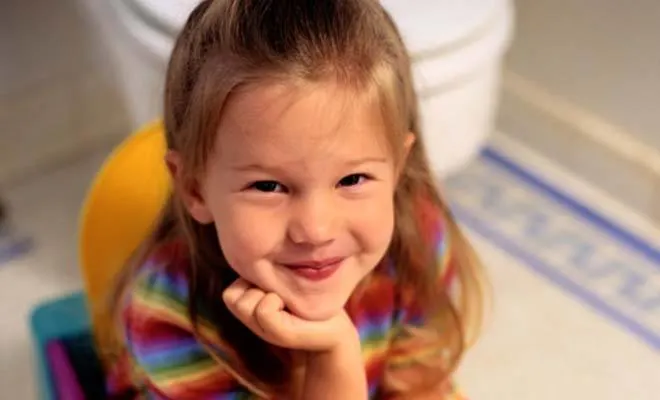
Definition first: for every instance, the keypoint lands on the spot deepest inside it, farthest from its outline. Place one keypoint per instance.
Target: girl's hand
(264, 314)
(332, 361)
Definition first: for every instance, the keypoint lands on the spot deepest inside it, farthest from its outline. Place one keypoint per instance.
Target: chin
(318, 310)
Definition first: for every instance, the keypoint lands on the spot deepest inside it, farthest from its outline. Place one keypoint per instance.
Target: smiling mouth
(316, 270)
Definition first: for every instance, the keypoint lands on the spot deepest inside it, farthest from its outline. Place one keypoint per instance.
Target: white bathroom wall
(57, 98)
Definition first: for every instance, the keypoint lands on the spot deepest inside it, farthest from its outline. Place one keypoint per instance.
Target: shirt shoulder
(171, 356)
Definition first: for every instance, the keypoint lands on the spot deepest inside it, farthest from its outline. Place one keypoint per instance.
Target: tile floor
(44, 215)
(576, 278)
(556, 330)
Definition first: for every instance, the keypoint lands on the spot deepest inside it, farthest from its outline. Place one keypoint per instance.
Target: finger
(235, 291)
(244, 311)
(268, 310)
(268, 315)
(246, 305)
(291, 331)
(233, 296)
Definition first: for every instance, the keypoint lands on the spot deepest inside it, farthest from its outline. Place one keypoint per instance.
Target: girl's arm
(337, 373)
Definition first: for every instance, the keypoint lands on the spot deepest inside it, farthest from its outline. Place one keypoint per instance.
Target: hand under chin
(265, 313)
(313, 312)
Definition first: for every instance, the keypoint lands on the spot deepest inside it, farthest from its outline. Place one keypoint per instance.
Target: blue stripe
(156, 277)
(500, 160)
(373, 389)
(15, 248)
(376, 328)
(559, 279)
(625, 237)
(175, 352)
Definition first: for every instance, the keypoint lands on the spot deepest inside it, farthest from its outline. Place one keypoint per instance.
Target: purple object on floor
(64, 377)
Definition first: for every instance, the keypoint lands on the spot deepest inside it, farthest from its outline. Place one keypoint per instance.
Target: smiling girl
(305, 252)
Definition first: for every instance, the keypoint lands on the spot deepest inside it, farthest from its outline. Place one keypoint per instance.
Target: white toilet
(457, 47)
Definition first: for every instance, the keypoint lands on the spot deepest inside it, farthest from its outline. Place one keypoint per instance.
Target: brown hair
(227, 44)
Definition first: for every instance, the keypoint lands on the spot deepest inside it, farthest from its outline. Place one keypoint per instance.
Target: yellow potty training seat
(121, 207)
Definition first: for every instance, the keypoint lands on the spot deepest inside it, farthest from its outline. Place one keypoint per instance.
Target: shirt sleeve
(170, 361)
(414, 350)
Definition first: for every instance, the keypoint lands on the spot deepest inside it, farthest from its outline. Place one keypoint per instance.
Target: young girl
(305, 252)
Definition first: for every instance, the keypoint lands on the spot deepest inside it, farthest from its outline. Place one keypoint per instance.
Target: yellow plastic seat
(121, 207)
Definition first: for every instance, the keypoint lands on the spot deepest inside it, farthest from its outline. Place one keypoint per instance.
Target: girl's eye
(267, 186)
(353, 180)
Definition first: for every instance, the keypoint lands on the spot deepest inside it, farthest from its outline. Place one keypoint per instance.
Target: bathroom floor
(576, 277)
(575, 314)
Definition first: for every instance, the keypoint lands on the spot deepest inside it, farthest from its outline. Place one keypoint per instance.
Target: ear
(187, 189)
(408, 142)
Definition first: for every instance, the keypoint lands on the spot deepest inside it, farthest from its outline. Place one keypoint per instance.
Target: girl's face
(300, 187)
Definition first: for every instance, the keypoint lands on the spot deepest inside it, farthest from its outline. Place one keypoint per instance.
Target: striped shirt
(166, 360)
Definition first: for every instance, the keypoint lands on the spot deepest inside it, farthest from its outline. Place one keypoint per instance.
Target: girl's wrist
(345, 350)
(340, 370)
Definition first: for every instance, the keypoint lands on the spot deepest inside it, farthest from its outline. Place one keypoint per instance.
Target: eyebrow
(352, 164)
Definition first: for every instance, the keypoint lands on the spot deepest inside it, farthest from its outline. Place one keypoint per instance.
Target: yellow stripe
(185, 378)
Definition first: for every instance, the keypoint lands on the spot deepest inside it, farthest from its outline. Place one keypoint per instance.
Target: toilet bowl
(457, 49)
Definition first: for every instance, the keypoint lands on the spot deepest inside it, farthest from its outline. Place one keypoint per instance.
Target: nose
(313, 221)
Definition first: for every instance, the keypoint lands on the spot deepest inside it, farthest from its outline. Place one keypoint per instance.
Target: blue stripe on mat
(13, 248)
(551, 274)
(598, 221)
(622, 235)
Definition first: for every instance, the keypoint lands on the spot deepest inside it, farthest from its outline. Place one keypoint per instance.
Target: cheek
(374, 224)
(246, 235)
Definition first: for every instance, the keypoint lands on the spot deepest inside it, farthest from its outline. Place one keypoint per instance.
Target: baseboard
(592, 148)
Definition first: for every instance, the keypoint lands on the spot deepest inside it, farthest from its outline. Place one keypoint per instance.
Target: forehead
(301, 124)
